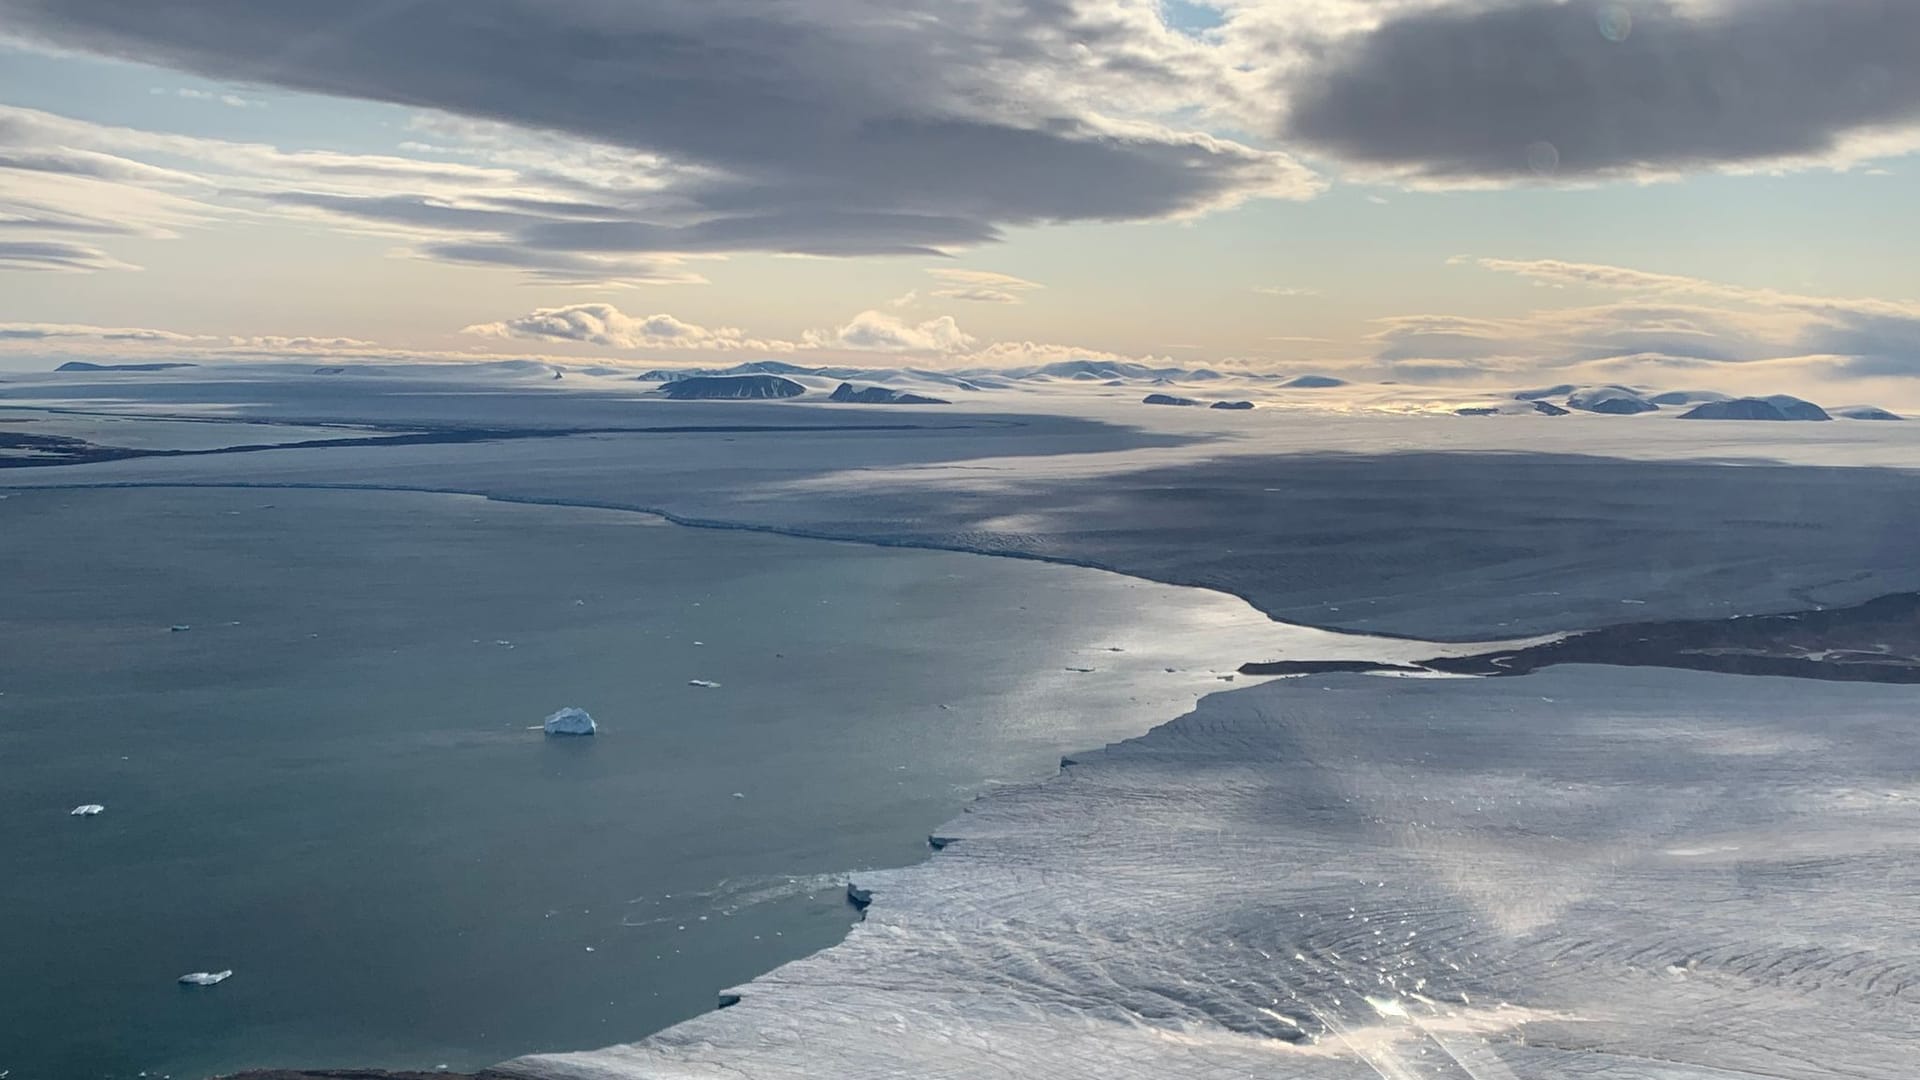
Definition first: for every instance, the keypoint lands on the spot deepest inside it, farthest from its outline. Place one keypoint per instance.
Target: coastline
(1739, 592)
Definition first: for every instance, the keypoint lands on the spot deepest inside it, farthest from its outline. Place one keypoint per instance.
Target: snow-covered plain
(1586, 872)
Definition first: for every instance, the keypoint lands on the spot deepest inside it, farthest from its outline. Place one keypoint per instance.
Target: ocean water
(328, 782)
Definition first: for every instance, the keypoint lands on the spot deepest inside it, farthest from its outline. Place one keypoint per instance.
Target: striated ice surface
(205, 978)
(1631, 874)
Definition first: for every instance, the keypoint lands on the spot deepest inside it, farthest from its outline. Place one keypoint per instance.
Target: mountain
(731, 388)
(1796, 408)
(1779, 407)
(1561, 390)
(1688, 397)
(880, 395)
(88, 365)
(1611, 400)
(1866, 412)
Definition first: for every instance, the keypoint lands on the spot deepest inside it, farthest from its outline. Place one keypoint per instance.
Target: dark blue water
(328, 783)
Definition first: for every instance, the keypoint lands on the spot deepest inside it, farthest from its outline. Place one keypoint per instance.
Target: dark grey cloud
(1590, 89)
(55, 255)
(1874, 343)
(825, 127)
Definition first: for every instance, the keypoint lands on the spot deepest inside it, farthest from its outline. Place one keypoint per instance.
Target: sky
(1677, 193)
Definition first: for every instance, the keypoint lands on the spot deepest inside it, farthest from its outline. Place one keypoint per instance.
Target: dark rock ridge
(1477, 410)
(1548, 408)
(1866, 412)
(1775, 408)
(1166, 399)
(88, 365)
(1240, 405)
(731, 388)
(1878, 641)
(881, 395)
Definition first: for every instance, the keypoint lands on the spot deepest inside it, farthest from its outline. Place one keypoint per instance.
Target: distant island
(731, 388)
(1778, 407)
(1866, 412)
(88, 365)
(1166, 399)
(881, 395)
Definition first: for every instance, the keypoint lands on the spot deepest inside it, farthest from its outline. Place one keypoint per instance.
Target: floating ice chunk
(205, 978)
(179, 628)
(569, 721)
(86, 809)
(704, 683)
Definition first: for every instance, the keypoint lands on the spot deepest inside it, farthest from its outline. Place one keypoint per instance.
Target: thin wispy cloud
(234, 101)
(982, 286)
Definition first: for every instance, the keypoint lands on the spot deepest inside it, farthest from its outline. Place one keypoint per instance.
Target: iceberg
(705, 684)
(569, 721)
(205, 978)
(86, 810)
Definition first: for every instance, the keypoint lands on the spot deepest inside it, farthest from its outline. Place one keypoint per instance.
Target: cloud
(837, 128)
(56, 255)
(1463, 92)
(608, 326)
(1664, 319)
(24, 331)
(983, 286)
(230, 100)
(1285, 290)
(877, 331)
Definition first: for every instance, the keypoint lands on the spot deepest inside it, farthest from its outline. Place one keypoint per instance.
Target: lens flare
(1543, 158)
(1616, 22)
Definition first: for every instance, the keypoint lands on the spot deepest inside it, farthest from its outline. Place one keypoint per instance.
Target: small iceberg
(706, 684)
(569, 721)
(86, 810)
(179, 628)
(205, 978)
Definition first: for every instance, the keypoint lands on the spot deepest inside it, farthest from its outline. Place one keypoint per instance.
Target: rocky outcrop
(731, 388)
(1166, 399)
(881, 395)
(1238, 405)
